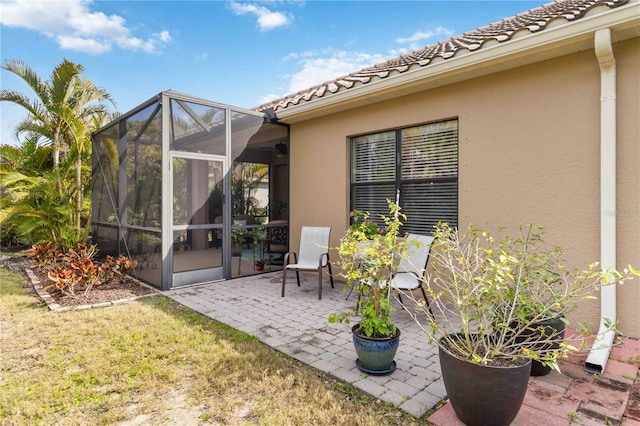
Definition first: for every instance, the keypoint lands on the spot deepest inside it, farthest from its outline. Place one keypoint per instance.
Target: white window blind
(428, 203)
(373, 199)
(374, 158)
(425, 170)
(430, 151)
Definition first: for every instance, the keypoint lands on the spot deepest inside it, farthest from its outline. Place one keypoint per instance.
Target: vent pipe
(597, 359)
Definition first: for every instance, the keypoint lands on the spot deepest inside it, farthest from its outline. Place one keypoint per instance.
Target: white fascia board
(513, 50)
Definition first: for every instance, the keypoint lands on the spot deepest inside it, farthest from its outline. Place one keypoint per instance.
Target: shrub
(44, 254)
(76, 269)
(8, 236)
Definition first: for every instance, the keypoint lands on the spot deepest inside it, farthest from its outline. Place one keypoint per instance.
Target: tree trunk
(79, 189)
(56, 158)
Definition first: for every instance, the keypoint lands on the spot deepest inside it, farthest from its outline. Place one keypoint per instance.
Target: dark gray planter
(483, 395)
(551, 327)
(375, 355)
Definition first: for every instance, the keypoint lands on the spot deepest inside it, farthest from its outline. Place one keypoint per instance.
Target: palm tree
(34, 209)
(66, 109)
(59, 100)
(28, 158)
(30, 204)
(80, 145)
(246, 179)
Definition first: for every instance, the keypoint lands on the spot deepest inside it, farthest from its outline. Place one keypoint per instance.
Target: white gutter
(597, 359)
(498, 55)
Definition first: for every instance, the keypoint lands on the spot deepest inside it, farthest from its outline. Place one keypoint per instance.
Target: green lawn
(157, 362)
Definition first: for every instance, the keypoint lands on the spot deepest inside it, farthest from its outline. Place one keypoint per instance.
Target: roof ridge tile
(534, 20)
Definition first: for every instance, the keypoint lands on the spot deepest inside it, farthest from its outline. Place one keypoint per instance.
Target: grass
(157, 362)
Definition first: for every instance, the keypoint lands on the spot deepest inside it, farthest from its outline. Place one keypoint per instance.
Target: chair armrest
(286, 258)
(320, 261)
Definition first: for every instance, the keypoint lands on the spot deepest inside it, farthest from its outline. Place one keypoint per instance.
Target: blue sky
(238, 53)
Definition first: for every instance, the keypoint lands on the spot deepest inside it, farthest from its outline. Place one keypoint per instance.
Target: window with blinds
(374, 158)
(421, 161)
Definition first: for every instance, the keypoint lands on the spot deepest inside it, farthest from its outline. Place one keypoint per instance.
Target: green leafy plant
(237, 236)
(488, 295)
(367, 262)
(259, 234)
(361, 222)
(574, 417)
(8, 236)
(46, 187)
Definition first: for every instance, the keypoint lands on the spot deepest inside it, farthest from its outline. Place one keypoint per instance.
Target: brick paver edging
(56, 307)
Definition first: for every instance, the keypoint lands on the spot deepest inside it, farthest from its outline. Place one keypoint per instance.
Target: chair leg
(284, 279)
(330, 274)
(298, 277)
(320, 283)
(351, 287)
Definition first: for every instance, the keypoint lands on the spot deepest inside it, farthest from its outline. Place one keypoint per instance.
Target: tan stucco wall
(529, 152)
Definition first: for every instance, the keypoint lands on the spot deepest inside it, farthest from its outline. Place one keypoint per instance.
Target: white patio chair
(314, 255)
(410, 272)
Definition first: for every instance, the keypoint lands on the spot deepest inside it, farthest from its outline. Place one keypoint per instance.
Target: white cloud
(80, 44)
(268, 98)
(267, 20)
(316, 69)
(163, 36)
(75, 27)
(296, 55)
(420, 39)
(399, 51)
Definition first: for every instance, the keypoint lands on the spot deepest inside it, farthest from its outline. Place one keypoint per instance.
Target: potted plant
(488, 298)
(546, 293)
(259, 234)
(259, 240)
(260, 264)
(183, 241)
(237, 238)
(361, 222)
(367, 262)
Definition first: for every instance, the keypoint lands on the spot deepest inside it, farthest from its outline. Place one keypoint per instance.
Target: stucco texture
(529, 152)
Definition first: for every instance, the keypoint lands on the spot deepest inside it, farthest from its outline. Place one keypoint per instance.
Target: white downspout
(597, 359)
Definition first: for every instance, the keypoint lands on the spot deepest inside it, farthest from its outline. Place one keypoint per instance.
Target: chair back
(314, 241)
(417, 257)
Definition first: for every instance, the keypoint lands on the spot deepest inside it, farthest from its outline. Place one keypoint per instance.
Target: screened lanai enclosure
(195, 191)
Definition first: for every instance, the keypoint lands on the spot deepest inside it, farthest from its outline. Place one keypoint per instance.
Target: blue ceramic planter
(375, 355)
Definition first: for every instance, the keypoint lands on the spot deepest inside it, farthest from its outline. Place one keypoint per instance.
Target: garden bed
(120, 287)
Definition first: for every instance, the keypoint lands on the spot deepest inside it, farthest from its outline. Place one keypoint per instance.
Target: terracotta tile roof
(533, 20)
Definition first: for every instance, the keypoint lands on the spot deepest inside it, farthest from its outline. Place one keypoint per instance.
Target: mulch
(119, 288)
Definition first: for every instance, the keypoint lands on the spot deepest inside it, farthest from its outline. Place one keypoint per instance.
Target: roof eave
(566, 38)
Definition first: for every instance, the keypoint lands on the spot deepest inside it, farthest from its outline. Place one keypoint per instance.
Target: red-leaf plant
(76, 268)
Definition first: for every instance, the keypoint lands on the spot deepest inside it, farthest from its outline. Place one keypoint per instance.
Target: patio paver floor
(297, 326)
